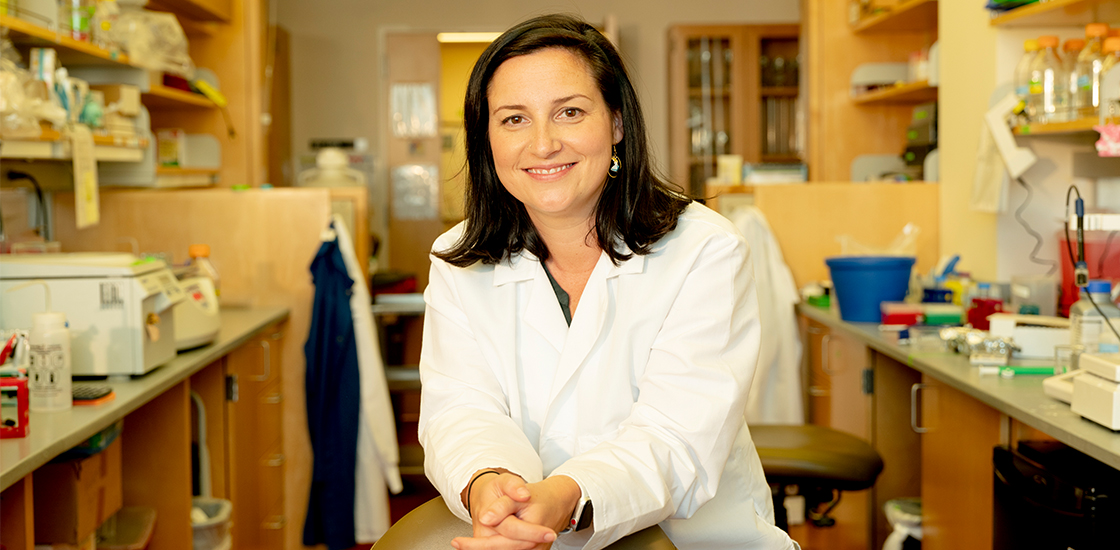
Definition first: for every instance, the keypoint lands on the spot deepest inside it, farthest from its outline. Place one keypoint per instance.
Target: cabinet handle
(813, 330)
(914, 408)
(274, 523)
(272, 399)
(267, 362)
(275, 460)
(824, 355)
(817, 391)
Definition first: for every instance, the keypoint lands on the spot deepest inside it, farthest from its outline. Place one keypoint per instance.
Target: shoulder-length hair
(636, 208)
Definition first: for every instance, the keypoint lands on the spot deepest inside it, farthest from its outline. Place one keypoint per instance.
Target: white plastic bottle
(202, 267)
(332, 169)
(49, 387)
(1087, 327)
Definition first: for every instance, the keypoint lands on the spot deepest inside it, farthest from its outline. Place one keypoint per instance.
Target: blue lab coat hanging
(333, 403)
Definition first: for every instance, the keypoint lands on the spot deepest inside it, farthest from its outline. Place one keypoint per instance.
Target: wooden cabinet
(255, 442)
(721, 80)
(842, 127)
(958, 436)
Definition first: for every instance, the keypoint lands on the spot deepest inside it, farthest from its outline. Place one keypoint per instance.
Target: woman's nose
(545, 140)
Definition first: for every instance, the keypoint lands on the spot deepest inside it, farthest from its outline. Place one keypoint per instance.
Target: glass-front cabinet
(733, 91)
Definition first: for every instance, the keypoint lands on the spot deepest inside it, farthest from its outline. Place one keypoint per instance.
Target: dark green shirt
(561, 295)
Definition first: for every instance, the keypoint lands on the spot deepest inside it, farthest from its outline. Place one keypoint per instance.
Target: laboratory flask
(1048, 92)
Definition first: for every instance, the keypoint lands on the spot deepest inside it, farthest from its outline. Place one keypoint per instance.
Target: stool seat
(804, 454)
(432, 526)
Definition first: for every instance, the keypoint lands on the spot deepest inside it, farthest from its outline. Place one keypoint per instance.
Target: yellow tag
(209, 91)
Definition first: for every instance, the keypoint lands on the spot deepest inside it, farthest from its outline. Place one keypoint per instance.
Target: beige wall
(336, 57)
(966, 82)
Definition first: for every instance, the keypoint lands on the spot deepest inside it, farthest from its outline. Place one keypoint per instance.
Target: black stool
(821, 461)
(431, 526)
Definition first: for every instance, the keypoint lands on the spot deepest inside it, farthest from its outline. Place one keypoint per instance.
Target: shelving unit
(171, 98)
(1081, 125)
(910, 92)
(1058, 13)
(50, 145)
(910, 15)
(70, 51)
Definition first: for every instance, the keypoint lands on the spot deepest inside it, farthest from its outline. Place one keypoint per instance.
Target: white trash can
(905, 515)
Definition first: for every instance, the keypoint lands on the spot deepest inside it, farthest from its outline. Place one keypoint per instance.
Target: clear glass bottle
(1086, 324)
(1111, 50)
(1023, 74)
(1070, 49)
(1089, 63)
(1048, 92)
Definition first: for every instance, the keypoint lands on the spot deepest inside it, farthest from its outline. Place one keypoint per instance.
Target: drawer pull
(272, 399)
(267, 362)
(275, 460)
(824, 355)
(274, 523)
(914, 408)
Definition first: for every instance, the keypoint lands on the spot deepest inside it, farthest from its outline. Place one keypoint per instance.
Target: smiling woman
(590, 334)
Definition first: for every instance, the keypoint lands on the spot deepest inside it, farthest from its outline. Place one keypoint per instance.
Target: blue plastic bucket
(861, 283)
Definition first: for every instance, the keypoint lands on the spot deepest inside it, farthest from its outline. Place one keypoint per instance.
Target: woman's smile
(557, 170)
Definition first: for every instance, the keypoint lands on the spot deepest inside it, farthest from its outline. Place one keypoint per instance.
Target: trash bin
(905, 516)
(211, 533)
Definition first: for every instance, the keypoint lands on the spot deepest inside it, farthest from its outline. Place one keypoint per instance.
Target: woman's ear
(618, 134)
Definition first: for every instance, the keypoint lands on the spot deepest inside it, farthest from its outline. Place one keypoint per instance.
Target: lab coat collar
(524, 266)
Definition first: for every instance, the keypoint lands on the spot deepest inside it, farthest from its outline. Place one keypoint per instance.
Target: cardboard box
(126, 96)
(73, 498)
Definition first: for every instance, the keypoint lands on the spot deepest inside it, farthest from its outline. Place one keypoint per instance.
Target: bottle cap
(1098, 286)
(199, 250)
(1094, 30)
(1073, 45)
(1030, 45)
(1048, 41)
(1111, 44)
(984, 285)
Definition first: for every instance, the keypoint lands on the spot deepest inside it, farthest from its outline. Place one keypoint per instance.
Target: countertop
(52, 433)
(1020, 397)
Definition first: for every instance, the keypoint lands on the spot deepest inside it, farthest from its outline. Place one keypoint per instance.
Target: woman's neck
(573, 252)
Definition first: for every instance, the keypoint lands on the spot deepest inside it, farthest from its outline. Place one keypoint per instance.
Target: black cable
(1103, 316)
(13, 175)
(1037, 237)
(1065, 222)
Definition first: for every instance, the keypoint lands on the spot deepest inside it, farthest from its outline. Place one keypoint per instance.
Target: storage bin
(213, 534)
(862, 283)
(129, 529)
(73, 497)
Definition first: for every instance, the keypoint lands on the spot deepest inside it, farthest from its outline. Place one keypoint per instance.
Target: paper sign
(87, 201)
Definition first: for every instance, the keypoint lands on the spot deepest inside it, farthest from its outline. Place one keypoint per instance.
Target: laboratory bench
(236, 378)
(935, 420)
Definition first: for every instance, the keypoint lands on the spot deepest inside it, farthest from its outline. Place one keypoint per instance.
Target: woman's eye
(572, 112)
(515, 119)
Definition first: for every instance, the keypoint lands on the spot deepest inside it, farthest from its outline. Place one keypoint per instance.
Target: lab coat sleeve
(668, 456)
(465, 422)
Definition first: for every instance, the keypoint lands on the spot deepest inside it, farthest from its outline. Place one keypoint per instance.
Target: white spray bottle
(49, 374)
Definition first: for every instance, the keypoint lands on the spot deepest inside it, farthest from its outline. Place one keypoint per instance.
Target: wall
(338, 45)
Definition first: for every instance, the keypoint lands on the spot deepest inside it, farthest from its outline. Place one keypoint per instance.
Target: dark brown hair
(636, 208)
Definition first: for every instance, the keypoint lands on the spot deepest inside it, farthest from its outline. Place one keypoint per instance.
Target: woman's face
(551, 134)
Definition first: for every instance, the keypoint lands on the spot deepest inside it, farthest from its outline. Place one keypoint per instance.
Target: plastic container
(862, 283)
(129, 529)
(900, 313)
(201, 266)
(1049, 92)
(1086, 326)
(213, 532)
(942, 314)
(1023, 73)
(1089, 64)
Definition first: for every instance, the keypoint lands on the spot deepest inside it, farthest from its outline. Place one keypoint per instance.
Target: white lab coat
(775, 396)
(377, 472)
(640, 400)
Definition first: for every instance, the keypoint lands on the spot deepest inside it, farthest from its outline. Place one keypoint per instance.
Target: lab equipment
(1037, 336)
(117, 307)
(983, 305)
(1089, 314)
(863, 282)
(900, 313)
(197, 317)
(1016, 159)
(49, 377)
(1096, 391)
(14, 404)
(1034, 290)
(942, 314)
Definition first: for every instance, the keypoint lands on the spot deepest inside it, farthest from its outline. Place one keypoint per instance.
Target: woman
(590, 334)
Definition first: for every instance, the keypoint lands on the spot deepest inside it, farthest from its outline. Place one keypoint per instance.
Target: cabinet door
(959, 434)
(898, 445)
(819, 398)
(256, 460)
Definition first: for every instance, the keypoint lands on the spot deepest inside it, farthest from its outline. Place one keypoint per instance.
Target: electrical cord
(1081, 253)
(1037, 237)
(12, 176)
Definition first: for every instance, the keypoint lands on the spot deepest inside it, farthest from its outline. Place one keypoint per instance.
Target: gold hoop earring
(616, 164)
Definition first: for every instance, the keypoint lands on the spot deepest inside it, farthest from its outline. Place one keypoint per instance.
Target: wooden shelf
(711, 92)
(781, 159)
(1059, 13)
(911, 92)
(1080, 125)
(70, 51)
(780, 91)
(163, 96)
(910, 15)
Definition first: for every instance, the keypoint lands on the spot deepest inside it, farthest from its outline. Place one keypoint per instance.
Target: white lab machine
(1096, 389)
(118, 307)
(197, 319)
(1035, 335)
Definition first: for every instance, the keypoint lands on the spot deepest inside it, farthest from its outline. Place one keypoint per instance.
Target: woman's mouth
(549, 171)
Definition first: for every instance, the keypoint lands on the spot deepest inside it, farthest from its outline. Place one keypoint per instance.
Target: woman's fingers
(514, 527)
(496, 542)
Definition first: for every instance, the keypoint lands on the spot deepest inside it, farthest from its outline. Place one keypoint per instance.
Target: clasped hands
(509, 514)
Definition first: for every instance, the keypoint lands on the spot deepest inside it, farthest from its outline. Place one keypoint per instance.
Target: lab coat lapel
(589, 318)
(543, 313)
